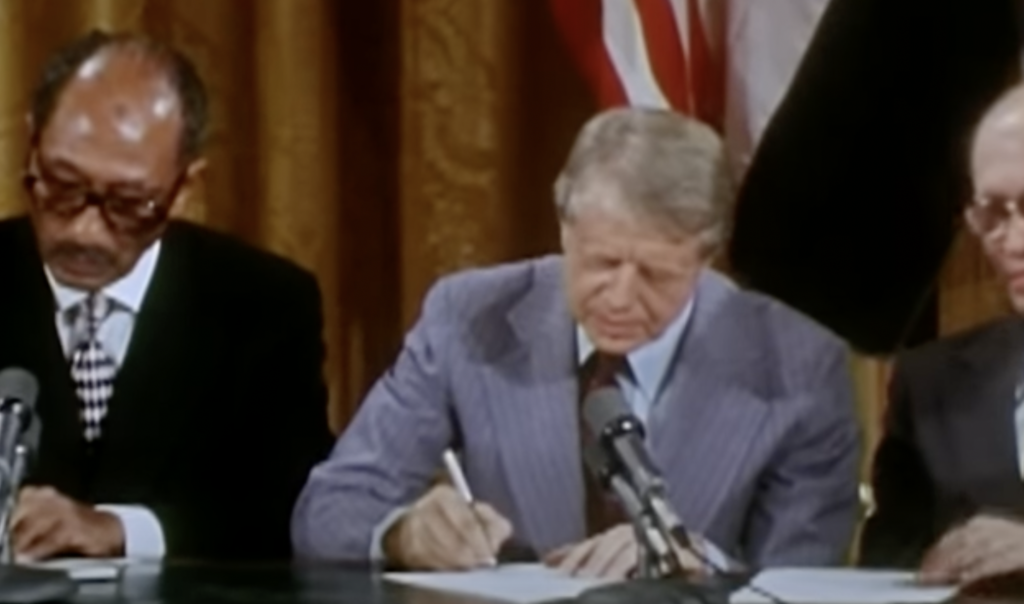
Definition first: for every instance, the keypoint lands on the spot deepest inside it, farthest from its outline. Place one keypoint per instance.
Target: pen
(451, 463)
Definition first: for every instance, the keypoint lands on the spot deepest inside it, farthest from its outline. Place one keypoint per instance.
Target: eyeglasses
(129, 214)
(989, 217)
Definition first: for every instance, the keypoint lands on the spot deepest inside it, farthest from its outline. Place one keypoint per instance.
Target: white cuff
(718, 559)
(143, 535)
(382, 528)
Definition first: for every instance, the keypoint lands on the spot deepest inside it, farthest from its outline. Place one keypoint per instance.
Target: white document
(86, 569)
(841, 586)
(530, 583)
(518, 583)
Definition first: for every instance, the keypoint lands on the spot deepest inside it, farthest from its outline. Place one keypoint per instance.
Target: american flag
(725, 62)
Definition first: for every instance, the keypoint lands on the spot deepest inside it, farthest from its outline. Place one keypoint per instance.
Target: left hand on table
(610, 555)
(984, 547)
(46, 524)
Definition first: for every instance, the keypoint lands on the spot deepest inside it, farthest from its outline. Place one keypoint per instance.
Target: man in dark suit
(748, 405)
(182, 399)
(948, 473)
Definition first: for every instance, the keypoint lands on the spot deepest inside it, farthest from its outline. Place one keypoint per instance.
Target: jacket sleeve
(391, 450)
(900, 530)
(240, 500)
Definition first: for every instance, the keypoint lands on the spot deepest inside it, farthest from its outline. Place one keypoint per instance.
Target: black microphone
(19, 438)
(623, 453)
(610, 480)
(621, 435)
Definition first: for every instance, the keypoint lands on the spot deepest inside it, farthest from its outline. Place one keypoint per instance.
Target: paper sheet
(518, 583)
(86, 569)
(841, 586)
(530, 583)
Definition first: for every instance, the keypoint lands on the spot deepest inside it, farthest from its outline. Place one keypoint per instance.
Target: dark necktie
(603, 512)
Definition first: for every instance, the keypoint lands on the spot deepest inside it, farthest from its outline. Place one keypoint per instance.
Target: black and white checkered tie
(92, 369)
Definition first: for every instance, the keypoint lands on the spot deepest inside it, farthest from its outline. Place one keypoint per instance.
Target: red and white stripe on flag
(725, 62)
(651, 53)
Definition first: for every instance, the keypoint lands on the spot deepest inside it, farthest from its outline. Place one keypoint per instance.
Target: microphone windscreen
(595, 460)
(16, 383)
(602, 407)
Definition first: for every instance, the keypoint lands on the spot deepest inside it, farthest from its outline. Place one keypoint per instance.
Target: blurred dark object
(513, 552)
(19, 585)
(1003, 587)
(714, 589)
(853, 197)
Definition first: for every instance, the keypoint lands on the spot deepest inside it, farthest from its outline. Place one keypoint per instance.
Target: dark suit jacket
(949, 449)
(219, 409)
(754, 430)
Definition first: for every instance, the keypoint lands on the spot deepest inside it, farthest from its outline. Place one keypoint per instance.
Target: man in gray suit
(748, 405)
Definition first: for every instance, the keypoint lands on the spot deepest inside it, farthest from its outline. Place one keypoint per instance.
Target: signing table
(270, 584)
(281, 584)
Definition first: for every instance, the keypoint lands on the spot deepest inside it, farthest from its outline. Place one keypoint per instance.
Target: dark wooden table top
(257, 584)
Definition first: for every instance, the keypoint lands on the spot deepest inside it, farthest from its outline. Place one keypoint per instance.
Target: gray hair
(666, 166)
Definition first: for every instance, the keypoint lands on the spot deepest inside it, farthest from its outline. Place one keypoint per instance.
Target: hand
(45, 523)
(984, 547)
(611, 555)
(443, 532)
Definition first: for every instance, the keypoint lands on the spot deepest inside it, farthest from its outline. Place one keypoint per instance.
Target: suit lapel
(704, 423)
(151, 392)
(980, 427)
(31, 341)
(537, 415)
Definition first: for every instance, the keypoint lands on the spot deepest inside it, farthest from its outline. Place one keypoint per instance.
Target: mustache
(82, 253)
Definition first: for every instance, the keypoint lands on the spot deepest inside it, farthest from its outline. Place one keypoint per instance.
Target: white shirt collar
(127, 292)
(649, 362)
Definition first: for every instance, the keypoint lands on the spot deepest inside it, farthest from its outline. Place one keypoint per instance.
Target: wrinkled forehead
(120, 99)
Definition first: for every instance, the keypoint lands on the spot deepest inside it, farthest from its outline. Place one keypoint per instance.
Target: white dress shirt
(648, 365)
(144, 537)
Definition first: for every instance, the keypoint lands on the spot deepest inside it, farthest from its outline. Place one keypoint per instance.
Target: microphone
(19, 438)
(657, 558)
(18, 391)
(623, 465)
(621, 434)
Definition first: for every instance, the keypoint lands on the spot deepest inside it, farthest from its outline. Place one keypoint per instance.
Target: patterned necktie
(92, 369)
(602, 509)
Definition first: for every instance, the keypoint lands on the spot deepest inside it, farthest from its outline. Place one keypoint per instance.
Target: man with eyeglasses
(182, 401)
(949, 473)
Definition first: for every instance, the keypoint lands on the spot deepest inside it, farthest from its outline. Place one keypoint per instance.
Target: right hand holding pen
(443, 532)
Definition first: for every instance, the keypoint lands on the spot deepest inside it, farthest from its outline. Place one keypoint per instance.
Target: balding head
(997, 172)
(179, 73)
(112, 157)
(118, 101)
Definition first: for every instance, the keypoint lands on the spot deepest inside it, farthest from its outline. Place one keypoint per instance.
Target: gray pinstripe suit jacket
(755, 429)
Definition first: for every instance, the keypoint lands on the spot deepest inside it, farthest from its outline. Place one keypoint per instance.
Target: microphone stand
(657, 558)
(17, 474)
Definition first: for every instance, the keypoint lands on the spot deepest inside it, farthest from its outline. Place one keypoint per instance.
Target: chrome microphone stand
(13, 483)
(657, 557)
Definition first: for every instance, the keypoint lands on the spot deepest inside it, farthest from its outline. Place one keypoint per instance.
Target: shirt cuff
(143, 535)
(718, 559)
(382, 528)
